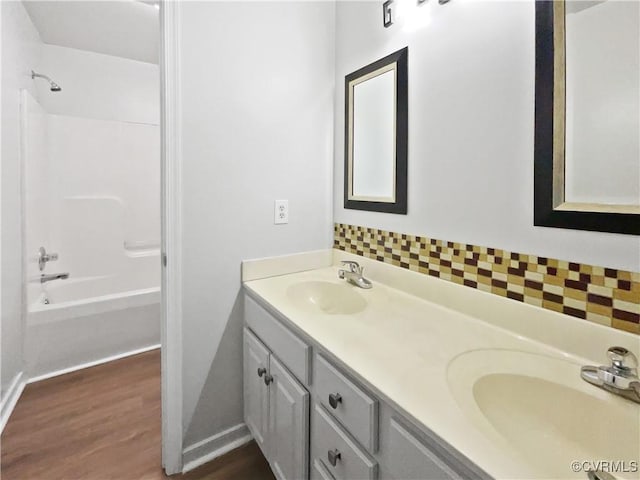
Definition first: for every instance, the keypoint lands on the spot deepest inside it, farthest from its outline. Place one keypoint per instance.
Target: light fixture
(387, 14)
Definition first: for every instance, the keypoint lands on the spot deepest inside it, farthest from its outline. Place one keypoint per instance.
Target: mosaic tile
(598, 294)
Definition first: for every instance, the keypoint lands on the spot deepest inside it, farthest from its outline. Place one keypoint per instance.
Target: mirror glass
(587, 115)
(602, 129)
(373, 136)
(376, 136)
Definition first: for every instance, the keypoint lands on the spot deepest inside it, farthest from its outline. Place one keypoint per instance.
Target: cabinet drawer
(320, 472)
(354, 408)
(411, 459)
(293, 352)
(330, 441)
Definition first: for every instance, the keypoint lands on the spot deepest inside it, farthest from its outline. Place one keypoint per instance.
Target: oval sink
(327, 298)
(539, 406)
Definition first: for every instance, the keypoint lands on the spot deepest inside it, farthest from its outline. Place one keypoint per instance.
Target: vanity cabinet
(320, 472)
(334, 447)
(276, 410)
(289, 348)
(411, 459)
(313, 418)
(288, 424)
(256, 393)
(349, 404)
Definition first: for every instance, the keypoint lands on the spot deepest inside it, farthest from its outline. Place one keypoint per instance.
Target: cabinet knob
(261, 371)
(335, 399)
(333, 456)
(268, 379)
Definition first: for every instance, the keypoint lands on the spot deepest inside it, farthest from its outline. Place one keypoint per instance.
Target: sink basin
(326, 297)
(539, 406)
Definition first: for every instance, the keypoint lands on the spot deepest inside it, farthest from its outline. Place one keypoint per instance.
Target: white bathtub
(78, 328)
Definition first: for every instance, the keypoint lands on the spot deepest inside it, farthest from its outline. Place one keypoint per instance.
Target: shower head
(53, 86)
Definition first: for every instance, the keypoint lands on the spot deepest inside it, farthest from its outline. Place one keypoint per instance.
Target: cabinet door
(256, 391)
(289, 425)
(411, 459)
(320, 472)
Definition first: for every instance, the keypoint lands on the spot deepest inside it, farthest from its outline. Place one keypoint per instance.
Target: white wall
(471, 127)
(602, 157)
(21, 49)
(257, 125)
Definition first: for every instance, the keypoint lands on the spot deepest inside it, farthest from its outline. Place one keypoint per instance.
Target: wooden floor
(103, 423)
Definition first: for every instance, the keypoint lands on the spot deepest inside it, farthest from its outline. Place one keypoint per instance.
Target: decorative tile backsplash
(603, 295)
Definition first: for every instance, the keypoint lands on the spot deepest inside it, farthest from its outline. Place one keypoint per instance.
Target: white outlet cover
(281, 212)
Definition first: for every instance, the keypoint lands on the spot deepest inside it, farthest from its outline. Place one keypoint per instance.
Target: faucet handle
(354, 267)
(623, 360)
(44, 257)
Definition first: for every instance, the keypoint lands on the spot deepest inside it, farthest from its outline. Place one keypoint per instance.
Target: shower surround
(92, 195)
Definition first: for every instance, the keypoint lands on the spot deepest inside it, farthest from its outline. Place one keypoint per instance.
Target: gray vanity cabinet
(288, 424)
(312, 416)
(320, 472)
(411, 459)
(334, 447)
(349, 404)
(276, 411)
(256, 398)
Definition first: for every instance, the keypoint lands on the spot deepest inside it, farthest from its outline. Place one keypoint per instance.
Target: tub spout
(48, 277)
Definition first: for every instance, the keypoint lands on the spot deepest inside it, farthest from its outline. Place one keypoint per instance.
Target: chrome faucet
(48, 277)
(620, 378)
(354, 274)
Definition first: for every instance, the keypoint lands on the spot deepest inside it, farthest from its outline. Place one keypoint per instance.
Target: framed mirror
(587, 121)
(376, 135)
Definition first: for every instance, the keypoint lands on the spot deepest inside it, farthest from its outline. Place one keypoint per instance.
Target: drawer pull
(335, 399)
(268, 379)
(261, 371)
(333, 456)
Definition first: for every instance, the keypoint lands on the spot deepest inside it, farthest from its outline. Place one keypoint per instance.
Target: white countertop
(415, 352)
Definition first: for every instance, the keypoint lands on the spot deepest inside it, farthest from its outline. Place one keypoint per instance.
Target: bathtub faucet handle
(44, 257)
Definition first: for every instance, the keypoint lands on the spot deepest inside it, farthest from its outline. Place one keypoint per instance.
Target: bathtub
(84, 321)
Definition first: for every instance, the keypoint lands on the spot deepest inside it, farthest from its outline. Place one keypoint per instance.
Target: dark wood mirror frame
(549, 119)
(402, 128)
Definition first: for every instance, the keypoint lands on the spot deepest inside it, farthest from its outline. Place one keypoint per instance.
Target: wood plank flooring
(104, 423)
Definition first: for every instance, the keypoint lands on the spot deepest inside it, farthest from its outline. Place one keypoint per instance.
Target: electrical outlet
(281, 212)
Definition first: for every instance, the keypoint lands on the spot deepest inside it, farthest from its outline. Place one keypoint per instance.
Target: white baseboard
(92, 363)
(213, 447)
(11, 398)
